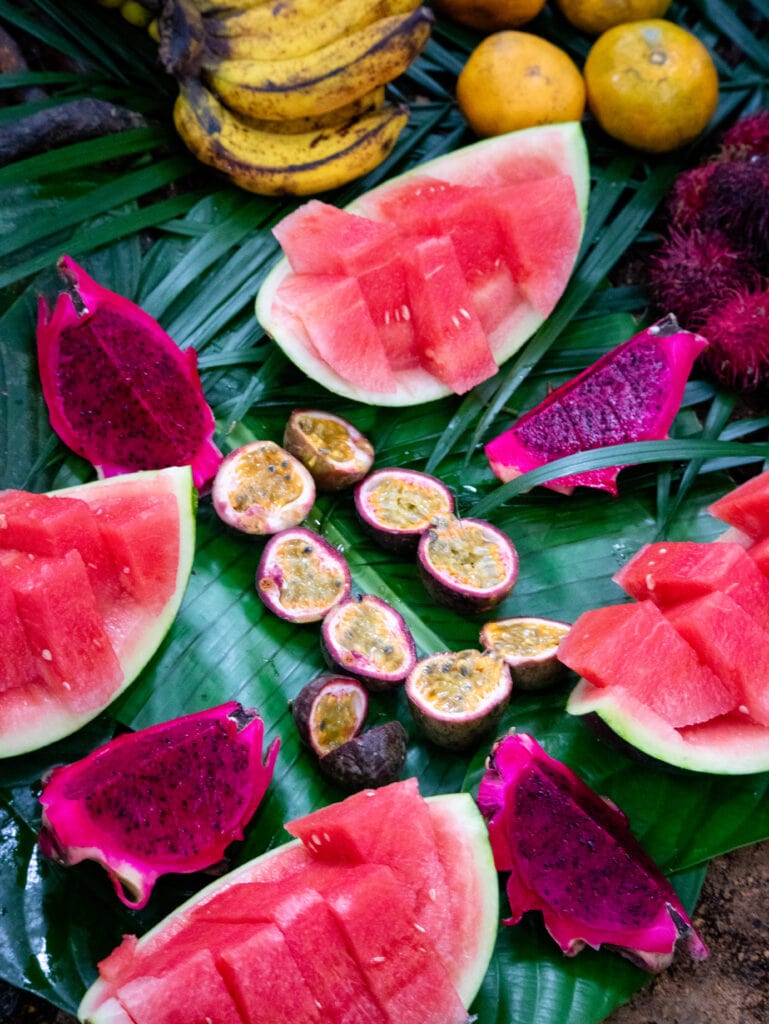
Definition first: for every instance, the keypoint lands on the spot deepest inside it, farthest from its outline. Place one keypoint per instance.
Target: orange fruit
(515, 80)
(651, 84)
(595, 16)
(490, 15)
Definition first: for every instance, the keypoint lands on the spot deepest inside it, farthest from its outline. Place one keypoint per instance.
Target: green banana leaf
(145, 220)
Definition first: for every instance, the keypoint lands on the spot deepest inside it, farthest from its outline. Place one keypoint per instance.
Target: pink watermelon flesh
(759, 553)
(670, 572)
(732, 643)
(20, 667)
(746, 507)
(119, 391)
(641, 380)
(634, 646)
(339, 325)
(572, 856)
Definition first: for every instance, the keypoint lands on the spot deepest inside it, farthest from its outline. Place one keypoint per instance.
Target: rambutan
(737, 331)
(687, 196)
(692, 270)
(747, 138)
(735, 201)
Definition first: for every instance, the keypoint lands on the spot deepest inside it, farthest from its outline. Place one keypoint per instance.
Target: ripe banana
(276, 163)
(326, 79)
(332, 119)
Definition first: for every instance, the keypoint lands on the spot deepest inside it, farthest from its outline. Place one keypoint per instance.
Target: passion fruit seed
(373, 758)
(368, 638)
(300, 576)
(333, 450)
(529, 645)
(329, 711)
(398, 505)
(261, 488)
(456, 698)
(467, 564)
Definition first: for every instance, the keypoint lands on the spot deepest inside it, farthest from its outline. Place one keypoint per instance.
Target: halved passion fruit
(458, 697)
(370, 759)
(333, 450)
(529, 645)
(261, 488)
(300, 576)
(397, 505)
(329, 711)
(467, 564)
(368, 638)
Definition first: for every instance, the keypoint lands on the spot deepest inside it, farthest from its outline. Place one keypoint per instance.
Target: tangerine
(651, 84)
(514, 80)
(595, 16)
(490, 15)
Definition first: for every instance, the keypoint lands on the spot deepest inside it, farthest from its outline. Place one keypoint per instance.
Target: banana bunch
(287, 97)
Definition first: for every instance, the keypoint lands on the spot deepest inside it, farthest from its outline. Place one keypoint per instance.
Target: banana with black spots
(327, 78)
(279, 163)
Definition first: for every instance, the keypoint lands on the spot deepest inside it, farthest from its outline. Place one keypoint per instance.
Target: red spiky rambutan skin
(747, 138)
(735, 201)
(691, 272)
(737, 331)
(687, 196)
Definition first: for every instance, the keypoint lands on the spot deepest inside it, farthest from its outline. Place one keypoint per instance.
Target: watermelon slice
(507, 316)
(746, 507)
(90, 628)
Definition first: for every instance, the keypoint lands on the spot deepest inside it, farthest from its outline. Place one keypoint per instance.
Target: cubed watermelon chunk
(20, 667)
(635, 647)
(746, 507)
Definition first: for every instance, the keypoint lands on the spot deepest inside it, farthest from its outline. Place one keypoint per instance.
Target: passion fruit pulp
(329, 711)
(260, 488)
(300, 576)
(529, 645)
(467, 564)
(396, 506)
(370, 759)
(334, 451)
(458, 697)
(368, 638)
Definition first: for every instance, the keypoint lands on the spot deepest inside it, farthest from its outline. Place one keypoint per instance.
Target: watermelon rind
(99, 1007)
(147, 632)
(467, 165)
(716, 749)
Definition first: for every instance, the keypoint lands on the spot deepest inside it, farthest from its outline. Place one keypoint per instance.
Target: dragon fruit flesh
(571, 855)
(169, 798)
(119, 390)
(632, 393)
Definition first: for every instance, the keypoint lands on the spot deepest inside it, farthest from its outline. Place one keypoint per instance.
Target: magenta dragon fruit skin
(169, 798)
(119, 391)
(572, 856)
(632, 393)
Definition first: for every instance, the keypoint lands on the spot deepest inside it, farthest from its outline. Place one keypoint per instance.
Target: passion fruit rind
(529, 645)
(366, 637)
(370, 759)
(467, 565)
(300, 576)
(458, 697)
(329, 711)
(334, 451)
(260, 488)
(395, 506)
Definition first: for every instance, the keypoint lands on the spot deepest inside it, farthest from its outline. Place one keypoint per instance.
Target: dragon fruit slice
(169, 798)
(631, 393)
(571, 855)
(119, 391)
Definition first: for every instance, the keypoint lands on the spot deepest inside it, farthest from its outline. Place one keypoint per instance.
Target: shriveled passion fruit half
(368, 638)
(333, 450)
(261, 488)
(300, 576)
(329, 711)
(370, 759)
(529, 645)
(467, 564)
(458, 697)
(396, 506)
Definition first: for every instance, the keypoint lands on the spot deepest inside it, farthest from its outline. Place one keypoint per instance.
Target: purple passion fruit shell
(300, 576)
(458, 697)
(368, 638)
(333, 450)
(467, 564)
(329, 711)
(373, 758)
(529, 645)
(261, 488)
(397, 505)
